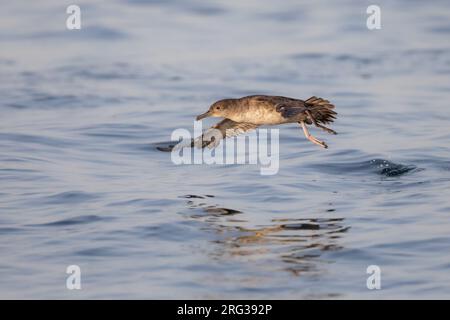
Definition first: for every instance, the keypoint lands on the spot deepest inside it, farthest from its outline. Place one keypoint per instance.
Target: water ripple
(72, 221)
(69, 197)
(375, 166)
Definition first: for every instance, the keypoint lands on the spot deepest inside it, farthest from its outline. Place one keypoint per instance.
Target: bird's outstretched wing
(224, 129)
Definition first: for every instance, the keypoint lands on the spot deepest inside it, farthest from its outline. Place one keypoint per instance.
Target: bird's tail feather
(321, 110)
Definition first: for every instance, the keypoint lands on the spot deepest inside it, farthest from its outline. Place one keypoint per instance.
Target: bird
(244, 114)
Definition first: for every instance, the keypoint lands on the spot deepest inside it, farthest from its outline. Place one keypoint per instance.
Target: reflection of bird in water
(297, 241)
(247, 113)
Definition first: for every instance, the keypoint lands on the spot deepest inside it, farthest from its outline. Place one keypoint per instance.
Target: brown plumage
(247, 113)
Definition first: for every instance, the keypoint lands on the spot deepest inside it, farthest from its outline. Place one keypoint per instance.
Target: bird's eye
(217, 108)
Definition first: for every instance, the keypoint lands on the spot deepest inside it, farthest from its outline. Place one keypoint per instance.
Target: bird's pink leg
(310, 137)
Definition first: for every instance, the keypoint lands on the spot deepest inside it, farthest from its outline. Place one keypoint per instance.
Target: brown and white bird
(247, 113)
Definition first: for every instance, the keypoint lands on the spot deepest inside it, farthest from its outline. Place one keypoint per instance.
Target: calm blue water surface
(82, 182)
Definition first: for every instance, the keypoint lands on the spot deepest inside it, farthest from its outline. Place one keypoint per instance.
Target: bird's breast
(260, 116)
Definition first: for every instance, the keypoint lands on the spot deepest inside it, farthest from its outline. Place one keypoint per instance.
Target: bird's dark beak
(203, 115)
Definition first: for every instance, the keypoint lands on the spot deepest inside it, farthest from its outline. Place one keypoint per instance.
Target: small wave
(5, 230)
(194, 196)
(43, 140)
(375, 166)
(206, 209)
(140, 202)
(69, 197)
(390, 169)
(99, 252)
(93, 32)
(71, 221)
(199, 8)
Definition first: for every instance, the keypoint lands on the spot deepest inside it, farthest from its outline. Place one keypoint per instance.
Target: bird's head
(220, 108)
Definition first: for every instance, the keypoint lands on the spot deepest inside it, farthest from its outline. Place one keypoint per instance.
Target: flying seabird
(247, 113)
